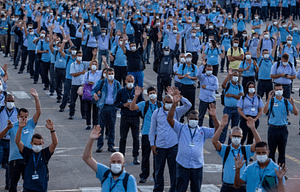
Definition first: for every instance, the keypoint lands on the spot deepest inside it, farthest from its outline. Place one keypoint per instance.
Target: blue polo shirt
(278, 116)
(148, 116)
(283, 34)
(110, 182)
(241, 24)
(265, 66)
(281, 69)
(59, 61)
(246, 104)
(30, 45)
(226, 41)
(257, 23)
(193, 73)
(229, 166)
(253, 175)
(235, 90)
(212, 56)
(251, 71)
(27, 133)
(46, 57)
(71, 60)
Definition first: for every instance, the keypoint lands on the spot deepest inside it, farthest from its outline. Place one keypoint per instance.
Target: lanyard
(234, 154)
(152, 109)
(261, 175)
(111, 188)
(252, 101)
(130, 93)
(9, 114)
(192, 135)
(36, 162)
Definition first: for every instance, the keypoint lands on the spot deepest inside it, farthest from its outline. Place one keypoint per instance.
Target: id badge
(191, 144)
(166, 62)
(234, 167)
(129, 100)
(252, 109)
(212, 56)
(60, 60)
(258, 189)
(275, 104)
(25, 131)
(35, 177)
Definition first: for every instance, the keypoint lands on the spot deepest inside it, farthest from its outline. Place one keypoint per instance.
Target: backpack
(184, 65)
(125, 180)
(270, 111)
(272, 43)
(224, 93)
(147, 104)
(258, 97)
(295, 61)
(231, 50)
(278, 64)
(243, 149)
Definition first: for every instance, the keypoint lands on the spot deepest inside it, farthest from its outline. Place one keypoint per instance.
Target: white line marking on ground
(21, 94)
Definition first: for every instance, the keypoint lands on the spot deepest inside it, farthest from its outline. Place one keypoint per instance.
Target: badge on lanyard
(25, 131)
(60, 60)
(252, 109)
(166, 62)
(35, 176)
(191, 144)
(275, 104)
(129, 100)
(258, 189)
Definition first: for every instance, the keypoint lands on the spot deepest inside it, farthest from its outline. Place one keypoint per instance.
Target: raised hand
(137, 91)
(96, 132)
(291, 100)
(251, 123)
(281, 171)
(9, 124)
(34, 93)
(22, 122)
(159, 35)
(239, 162)
(178, 37)
(271, 93)
(144, 35)
(212, 111)
(177, 98)
(49, 125)
(224, 120)
(95, 52)
(170, 90)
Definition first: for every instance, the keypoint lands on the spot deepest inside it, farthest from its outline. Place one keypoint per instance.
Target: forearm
(54, 138)
(266, 107)
(237, 182)
(133, 105)
(295, 110)
(276, 76)
(38, 109)
(216, 122)
(87, 154)
(4, 132)
(280, 186)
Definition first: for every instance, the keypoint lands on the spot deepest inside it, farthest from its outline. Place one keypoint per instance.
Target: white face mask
(229, 16)
(103, 34)
(79, 59)
(31, 33)
(188, 59)
(174, 31)
(193, 123)
(43, 35)
(168, 106)
(94, 68)
(275, 23)
(226, 34)
(37, 148)
(133, 48)
(266, 36)
(129, 85)
(256, 17)
(203, 12)
(193, 34)
(285, 63)
(208, 73)
(235, 44)
(166, 53)
(74, 52)
(244, 35)
(241, 17)
(248, 56)
(209, 44)
(283, 25)
(211, 27)
(111, 77)
(251, 90)
(116, 168)
(104, 75)
(1, 87)
(262, 158)
(10, 105)
(153, 96)
(295, 29)
(266, 56)
(214, 11)
(236, 140)
(51, 14)
(289, 42)
(279, 93)
(182, 60)
(235, 78)
(88, 26)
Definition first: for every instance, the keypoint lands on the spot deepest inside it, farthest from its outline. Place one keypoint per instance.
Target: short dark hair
(78, 52)
(247, 86)
(110, 69)
(265, 50)
(151, 88)
(278, 85)
(261, 144)
(285, 56)
(36, 136)
(194, 112)
(22, 110)
(236, 39)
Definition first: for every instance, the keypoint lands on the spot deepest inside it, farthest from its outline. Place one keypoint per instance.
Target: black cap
(73, 47)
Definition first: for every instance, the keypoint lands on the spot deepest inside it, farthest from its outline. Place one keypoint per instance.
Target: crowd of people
(187, 43)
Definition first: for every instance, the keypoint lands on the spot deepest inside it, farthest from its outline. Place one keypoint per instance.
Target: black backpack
(184, 65)
(231, 50)
(147, 104)
(270, 111)
(278, 64)
(125, 180)
(224, 93)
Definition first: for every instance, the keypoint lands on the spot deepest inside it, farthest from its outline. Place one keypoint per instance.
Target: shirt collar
(268, 167)
(122, 176)
(232, 148)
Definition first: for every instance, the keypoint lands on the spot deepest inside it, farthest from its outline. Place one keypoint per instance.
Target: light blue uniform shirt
(257, 23)
(75, 68)
(283, 34)
(110, 97)
(165, 134)
(235, 90)
(190, 144)
(27, 133)
(120, 57)
(6, 115)
(187, 69)
(202, 18)
(90, 77)
(281, 69)
(71, 60)
(110, 182)
(226, 41)
(241, 25)
(278, 116)
(292, 51)
(212, 56)
(103, 42)
(272, 29)
(228, 23)
(175, 69)
(229, 167)
(46, 57)
(192, 43)
(209, 93)
(59, 61)
(296, 37)
(251, 71)
(253, 175)
(265, 66)
(250, 106)
(30, 45)
(147, 117)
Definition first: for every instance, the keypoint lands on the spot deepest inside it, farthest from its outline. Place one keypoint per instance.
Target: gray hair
(289, 36)
(236, 128)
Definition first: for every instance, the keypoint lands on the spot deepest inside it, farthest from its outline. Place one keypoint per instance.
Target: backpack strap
(87, 40)
(286, 106)
(243, 148)
(125, 181)
(227, 87)
(227, 150)
(271, 109)
(2, 108)
(147, 103)
(105, 176)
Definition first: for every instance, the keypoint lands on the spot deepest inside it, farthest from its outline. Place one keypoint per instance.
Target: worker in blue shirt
(241, 21)
(272, 28)
(233, 92)
(193, 43)
(248, 67)
(228, 22)
(113, 178)
(4, 35)
(256, 24)
(258, 174)
(283, 29)
(264, 10)
(292, 51)
(229, 152)
(226, 40)
(208, 86)
(283, 72)
(191, 139)
(279, 108)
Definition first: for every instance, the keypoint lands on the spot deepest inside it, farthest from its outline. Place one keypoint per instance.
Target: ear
(230, 136)
(31, 143)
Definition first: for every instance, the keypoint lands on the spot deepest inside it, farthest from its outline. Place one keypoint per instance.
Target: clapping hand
(239, 162)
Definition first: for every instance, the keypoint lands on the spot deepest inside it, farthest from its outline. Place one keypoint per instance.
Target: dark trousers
(246, 80)
(16, 169)
(234, 116)
(195, 57)
(120, 74)
(164, 155)
(246, 131)
(189, 91)
(4, 154)
(264, 87)
(74, 96)
(264, 13)
(293, 12)
(31, 55)
(88, 106)
(273, 13)
(277, 137)
(18, 55)
(60, 75)
(89, 53)
(45, 68)
(24, 58)
(125, 125)
(78, 43)
(108, 119)
(146, 151)
(38, 70)
(84, 52)
(286, 91)
(223, 62)
(52, 78)
(226, 188)
(184, 176)
(162, 83)
(203, 106)
(67, 88)
(215, 70)
(285, 12)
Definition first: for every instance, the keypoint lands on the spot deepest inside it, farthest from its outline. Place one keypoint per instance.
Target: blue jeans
(164, 155)
(100, 53)
(146, 53)
(184, 175)
(107, 118)
(4, 154)
(138, 77)
(234, 116)
(286, 91)
(203, 106)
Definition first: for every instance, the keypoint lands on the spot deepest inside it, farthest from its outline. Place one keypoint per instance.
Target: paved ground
(68, 172)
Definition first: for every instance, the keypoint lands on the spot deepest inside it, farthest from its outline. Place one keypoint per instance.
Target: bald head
(129, 79)
(117, 157)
